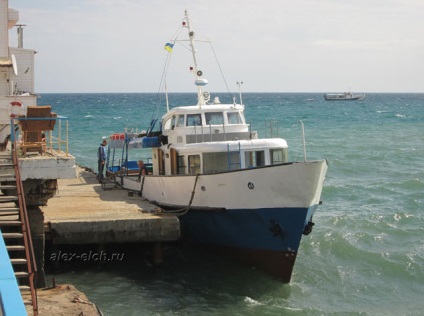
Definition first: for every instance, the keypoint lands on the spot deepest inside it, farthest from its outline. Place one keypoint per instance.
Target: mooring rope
(186, 209)
(142, 186)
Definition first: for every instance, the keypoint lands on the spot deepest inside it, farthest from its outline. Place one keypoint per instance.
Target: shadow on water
(189, 279)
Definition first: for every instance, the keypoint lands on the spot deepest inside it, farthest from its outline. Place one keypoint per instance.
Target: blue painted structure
(267, 238)
(278, 229)
(131, 165)
(11, 303)
(149, 142)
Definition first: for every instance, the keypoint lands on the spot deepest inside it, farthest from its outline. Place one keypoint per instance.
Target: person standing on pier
(101, 155)
(142, 169)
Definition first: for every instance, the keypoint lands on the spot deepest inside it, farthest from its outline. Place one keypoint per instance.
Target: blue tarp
(10, 297)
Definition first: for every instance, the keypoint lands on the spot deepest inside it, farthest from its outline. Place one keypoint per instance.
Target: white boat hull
(296, 184)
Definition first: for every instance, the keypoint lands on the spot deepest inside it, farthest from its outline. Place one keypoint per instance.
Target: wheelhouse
(212, 139)
(187, 125)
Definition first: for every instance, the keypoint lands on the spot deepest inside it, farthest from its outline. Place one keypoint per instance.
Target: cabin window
(194, 164)
(234, 118)
(215, 162)
(254, 159)
(278, 156)
(167, 124)
(194, 120)
(214, 118)
(180, 121)
(234, 160)
(181, 164)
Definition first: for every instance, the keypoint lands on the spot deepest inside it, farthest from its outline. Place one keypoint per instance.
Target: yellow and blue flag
(169, 47)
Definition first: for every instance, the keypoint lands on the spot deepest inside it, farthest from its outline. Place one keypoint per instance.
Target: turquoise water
(365, 255)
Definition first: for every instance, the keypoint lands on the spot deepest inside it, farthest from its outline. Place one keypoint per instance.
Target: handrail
(26, 230)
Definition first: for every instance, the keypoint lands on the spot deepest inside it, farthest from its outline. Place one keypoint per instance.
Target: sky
(270, 46)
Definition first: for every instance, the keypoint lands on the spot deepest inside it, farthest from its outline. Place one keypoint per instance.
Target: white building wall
(4, 45)
(48, 168)
(24, 81)
(4, 39)
(4, 84)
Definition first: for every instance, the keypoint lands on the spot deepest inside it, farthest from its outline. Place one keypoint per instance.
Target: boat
(345, 96)
(233, 191)
(118, 161)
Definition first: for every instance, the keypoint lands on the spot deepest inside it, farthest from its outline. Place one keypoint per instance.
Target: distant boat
(345, 96)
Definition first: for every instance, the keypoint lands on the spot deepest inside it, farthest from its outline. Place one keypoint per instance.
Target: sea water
(365, 255)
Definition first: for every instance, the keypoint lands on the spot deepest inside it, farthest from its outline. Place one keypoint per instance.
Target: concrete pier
(83, 213)
(63, 299)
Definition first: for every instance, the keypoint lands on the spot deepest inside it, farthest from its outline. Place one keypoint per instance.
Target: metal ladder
(16, 230)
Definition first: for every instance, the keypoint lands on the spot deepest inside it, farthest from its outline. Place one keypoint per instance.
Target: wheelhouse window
(167, 124)
(194, 164)
(234, 118)
(194, 120)
(173, 121)
(214, 118)
(254, 159)
(180, 121)
(278, 156)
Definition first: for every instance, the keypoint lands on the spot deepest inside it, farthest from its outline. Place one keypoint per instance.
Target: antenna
(239, 84)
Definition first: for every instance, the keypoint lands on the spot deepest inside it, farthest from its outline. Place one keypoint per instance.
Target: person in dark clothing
(142, 169)
(101, 155)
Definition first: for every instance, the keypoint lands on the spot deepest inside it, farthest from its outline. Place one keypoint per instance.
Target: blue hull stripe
(278, 229)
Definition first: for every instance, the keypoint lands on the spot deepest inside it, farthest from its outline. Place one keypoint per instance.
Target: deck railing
(55, 140)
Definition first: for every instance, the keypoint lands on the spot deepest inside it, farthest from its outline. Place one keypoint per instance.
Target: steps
(10, 223)
(15, 229)
(15, 248)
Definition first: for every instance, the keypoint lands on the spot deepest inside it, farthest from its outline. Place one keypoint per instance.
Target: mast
(166, 96)
(199, 82)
